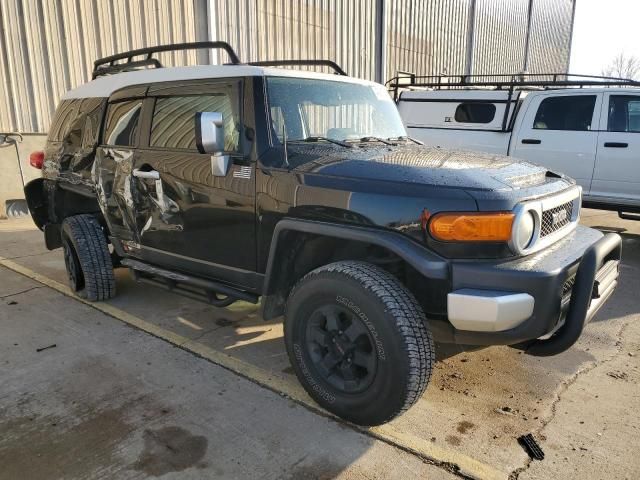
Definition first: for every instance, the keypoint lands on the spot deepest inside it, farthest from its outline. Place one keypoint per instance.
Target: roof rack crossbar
(132, 65)
(108, 65)
(506, 80)
(279, 63)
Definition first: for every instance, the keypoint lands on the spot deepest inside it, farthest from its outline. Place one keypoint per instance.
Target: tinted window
(121, 127)
(64, 116)
(475, 113)
(624, 113)
(571, 112)
(174, 122)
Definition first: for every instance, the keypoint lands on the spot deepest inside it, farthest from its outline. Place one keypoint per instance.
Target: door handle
(531, 141)
(153, 174)
(616, 144)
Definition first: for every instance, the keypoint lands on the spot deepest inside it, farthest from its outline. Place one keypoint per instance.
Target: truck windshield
(312, 110)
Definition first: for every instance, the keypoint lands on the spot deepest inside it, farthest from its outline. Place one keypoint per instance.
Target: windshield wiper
(376, 139)
(326, 139)
(405, 138)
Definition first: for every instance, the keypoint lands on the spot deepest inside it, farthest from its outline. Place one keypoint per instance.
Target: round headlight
(523, 230)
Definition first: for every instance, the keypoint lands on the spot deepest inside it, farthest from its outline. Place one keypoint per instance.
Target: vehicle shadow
(624, 301)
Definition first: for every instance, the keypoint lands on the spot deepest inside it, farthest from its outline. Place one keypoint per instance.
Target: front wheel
(358, 342)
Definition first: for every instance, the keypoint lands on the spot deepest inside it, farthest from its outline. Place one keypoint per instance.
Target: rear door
(559, 131)
(113, 165)
(187, 218)
(617, 172)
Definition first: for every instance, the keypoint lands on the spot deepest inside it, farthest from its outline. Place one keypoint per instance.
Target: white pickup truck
(587, 128)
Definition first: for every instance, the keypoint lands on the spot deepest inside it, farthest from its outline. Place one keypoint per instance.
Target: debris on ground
(12, 302)
(506, 411)
(618, 375)
(53, 345)
(531, 446)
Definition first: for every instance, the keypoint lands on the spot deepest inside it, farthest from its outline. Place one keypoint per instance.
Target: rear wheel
(87, 258)
(358, 342)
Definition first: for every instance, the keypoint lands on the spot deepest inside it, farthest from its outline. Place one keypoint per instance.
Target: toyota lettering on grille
(558, 217)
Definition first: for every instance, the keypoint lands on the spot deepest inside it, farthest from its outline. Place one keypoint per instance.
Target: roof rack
(280, 63)
(109, 65)
(504, 81)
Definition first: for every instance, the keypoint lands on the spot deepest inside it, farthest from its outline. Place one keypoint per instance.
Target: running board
(629, 216)
(187, 285)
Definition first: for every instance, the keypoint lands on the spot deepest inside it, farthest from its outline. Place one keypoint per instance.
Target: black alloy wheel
(341, 348)
(74, 271)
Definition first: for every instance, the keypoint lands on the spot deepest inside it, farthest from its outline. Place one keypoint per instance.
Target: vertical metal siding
(426, 36)
(500, 31)
(551, 23)
(289, 29)
(48, 47)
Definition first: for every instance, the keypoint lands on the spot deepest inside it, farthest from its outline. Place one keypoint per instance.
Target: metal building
(48, 47)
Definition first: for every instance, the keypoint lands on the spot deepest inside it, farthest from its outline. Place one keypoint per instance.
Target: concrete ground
(110, 400)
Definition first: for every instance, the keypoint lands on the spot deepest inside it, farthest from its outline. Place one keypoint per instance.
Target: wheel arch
(50, 202)
(299, 246)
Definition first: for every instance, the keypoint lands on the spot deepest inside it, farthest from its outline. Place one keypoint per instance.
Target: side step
(183, 284)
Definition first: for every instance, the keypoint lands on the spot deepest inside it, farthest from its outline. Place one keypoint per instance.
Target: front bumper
(569, 282)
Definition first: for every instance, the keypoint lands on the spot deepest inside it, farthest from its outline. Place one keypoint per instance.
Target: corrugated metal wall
(499, 36)
(47, 47)
(426, 36)
(339, 30)
(551, 26)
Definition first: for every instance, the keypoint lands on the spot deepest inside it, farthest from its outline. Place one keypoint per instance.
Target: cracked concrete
(478, 402)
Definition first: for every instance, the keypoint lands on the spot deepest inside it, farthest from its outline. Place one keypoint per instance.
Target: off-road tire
(84, 240)
(403, 344)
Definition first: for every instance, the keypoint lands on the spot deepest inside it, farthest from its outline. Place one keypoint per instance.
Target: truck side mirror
(209, 132)
(210, 139)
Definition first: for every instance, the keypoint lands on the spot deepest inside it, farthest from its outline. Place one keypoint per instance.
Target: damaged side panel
(112, 173)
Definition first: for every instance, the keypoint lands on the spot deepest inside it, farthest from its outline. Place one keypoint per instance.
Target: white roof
(105, 86)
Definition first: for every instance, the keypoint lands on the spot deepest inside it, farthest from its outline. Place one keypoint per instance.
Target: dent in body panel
(112, 175)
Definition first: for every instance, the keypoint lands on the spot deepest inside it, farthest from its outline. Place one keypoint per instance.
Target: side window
(61, 123)
(475, 113)
(173, 124)
(570, 112)
(90, 115)
(624, 113)
(121, 127)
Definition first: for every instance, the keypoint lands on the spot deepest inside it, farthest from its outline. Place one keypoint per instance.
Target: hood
(418, 164)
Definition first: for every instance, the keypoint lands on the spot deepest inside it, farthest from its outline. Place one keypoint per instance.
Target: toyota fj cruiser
(247, 182)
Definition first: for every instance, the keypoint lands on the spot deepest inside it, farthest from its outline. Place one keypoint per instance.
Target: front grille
(556, 218)
(568, 286)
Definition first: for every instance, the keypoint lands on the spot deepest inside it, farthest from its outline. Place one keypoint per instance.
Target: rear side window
(62, 120)
(571, 112)
(121, 127)
(90, 113)
(624, 113)
(475, 112)
(174, 121)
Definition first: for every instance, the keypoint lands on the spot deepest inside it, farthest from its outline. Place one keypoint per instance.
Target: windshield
(316, 109)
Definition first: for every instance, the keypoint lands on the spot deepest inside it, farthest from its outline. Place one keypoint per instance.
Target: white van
(587, 128)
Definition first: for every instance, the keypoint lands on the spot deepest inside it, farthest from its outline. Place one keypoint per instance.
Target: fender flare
(425, 261)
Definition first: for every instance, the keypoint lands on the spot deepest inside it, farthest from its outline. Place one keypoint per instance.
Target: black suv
(246, 182)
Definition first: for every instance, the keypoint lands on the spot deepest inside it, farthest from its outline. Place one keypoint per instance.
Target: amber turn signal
(472, 227)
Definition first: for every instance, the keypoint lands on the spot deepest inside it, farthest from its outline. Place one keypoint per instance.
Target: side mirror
(209, 132)
(210, 139)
